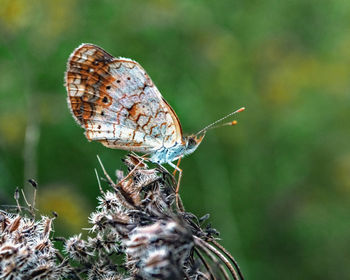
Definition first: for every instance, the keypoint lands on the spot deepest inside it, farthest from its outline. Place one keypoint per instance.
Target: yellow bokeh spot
(68, 204)
(12, 129)
(45, 18)
(15, 14)
(295, 73)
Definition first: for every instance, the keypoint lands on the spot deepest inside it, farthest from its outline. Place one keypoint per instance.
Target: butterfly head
(192, 143)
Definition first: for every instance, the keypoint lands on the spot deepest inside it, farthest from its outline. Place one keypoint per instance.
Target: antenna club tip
(241, 109)
(233, 122)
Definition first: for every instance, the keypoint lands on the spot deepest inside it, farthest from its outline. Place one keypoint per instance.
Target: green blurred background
(277, 185)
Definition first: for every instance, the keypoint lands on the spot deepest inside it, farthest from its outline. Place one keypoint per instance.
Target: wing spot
(108, 87)
(128, 78)
(118, 81)
(99, 126)
(102, 113)
(104, 100)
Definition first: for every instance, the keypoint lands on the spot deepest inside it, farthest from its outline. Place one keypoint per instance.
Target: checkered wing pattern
(117, 104)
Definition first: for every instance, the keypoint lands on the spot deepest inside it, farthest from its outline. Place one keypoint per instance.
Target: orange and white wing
(117, 104)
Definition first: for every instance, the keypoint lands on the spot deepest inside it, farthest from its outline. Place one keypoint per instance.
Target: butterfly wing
(117, 104)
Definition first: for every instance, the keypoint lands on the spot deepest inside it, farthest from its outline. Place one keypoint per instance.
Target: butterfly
(118, 105)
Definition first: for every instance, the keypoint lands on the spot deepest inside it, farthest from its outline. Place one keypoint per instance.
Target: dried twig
(105, 173)
(217, 253)
(227, 253)
(16, 197)
(99, 182)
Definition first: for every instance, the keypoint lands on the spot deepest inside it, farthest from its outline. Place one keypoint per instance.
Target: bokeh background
(277, 185)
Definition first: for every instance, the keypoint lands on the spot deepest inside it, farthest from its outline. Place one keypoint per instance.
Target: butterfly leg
(177, 165)
(179, 204)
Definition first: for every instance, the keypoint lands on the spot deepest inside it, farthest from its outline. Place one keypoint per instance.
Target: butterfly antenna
(212, 125)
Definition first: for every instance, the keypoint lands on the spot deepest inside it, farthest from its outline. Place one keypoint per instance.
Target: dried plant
(26, 251)
(137, 232)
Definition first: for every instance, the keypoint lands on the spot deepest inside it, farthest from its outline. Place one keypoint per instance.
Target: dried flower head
(26, 251)
(137, 232)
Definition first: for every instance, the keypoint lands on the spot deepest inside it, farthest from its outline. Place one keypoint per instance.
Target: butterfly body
(118, 105)
(164, 155)
(188, 146)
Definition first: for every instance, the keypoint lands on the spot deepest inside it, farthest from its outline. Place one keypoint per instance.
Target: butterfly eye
(191, 142)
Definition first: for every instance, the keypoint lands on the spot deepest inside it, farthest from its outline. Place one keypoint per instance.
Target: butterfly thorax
(178, 150)
(164, 154)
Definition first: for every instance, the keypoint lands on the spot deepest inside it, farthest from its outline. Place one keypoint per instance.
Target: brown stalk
(218, 254)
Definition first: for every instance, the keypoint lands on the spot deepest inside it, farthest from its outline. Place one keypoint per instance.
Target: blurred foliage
(277, 185)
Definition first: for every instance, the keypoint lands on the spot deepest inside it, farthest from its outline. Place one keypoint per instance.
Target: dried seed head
(16, 195)
(77, 249)
(134, 227)
(148, 249)
(25, 250)
(55, 214)
(33, 183)
(15, 224)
